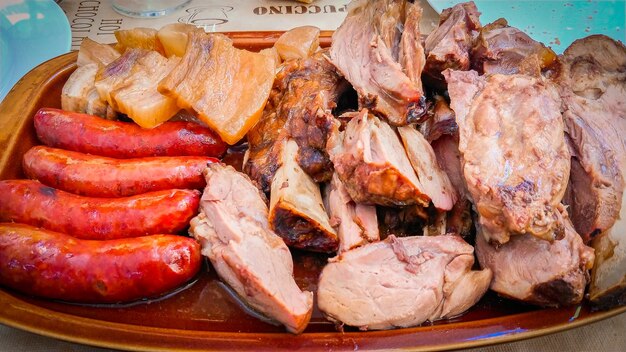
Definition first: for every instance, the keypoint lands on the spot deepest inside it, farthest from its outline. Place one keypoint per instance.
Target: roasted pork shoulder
(515, 160)
(449, 45)
(356, 224)
(401, 282)
(537, 271)
(371, 162)
(593, 85)
(378, 50)
(507, 50)
(235, 235)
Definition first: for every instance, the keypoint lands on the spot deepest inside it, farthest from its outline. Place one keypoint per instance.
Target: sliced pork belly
(356, 224)
(296, 210)
(536, 271)
(593, 82)
(300, 106)
(235, 235)
(515, 160)
(370, 161)
(401, 282)
(507, 50)
(434, 181)
(92, 52)
(448, 46)
(377, 49)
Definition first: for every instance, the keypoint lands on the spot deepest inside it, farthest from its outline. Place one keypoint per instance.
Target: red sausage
(94, 135)
(54, 265)
(33, 203)
(96, 176)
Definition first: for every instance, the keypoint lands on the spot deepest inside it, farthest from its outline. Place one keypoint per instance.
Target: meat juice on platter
(475, 135)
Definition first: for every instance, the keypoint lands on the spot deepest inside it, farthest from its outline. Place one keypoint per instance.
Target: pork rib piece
(300, 107)
(356, 224)
(448, 46)
(401, 282)
(536, 271)
(593, 85)
(234, 232)
(296, 210)
(370, 161)
(377, 48)
(515, 159)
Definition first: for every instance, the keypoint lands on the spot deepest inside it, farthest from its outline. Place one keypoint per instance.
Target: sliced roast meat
(356, 224)
(507, 50)
(433, 180)
(235, 235)
(449, 45)
(296, 210)
(300, 107)
(401, 282)
(377, 49)
(536, 271)
(593, 85)
(441, 121)
(370, 161)
(515, 160)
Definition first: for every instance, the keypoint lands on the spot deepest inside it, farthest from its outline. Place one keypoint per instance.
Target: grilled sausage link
(95, 176)
(30, 202)
(93, 135)
(54, 265)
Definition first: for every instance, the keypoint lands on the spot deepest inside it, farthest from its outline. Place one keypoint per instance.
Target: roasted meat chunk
(515, 159)
(235, 235)
(371, 162)
(507, 50)
(296, 210)
(300, 107)
(356, 224)
(536, 271)
(449, 45)
(433, 180)
(401, 282)
(593, 85)
(378, 50)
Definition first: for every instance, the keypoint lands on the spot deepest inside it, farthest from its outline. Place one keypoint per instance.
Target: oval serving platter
(203, 315)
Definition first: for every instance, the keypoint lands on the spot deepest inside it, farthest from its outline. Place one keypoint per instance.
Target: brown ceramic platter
(203, 315)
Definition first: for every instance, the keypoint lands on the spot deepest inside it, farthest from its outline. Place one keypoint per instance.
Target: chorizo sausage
(95, 176)
(55, 265)
(94, 135)
(33, 203)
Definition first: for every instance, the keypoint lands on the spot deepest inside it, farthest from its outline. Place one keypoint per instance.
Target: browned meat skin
(401, 282)
(515, 160)
(448, 46)
(507, 50)
(300, 106)
(535, 271)
(377, 49)
(356, 224)
(234, 232)
(296, 210)
(371, 162)
(593, 82)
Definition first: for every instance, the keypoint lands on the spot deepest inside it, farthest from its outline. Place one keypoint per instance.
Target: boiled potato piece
(174, 36)
(298, 43)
